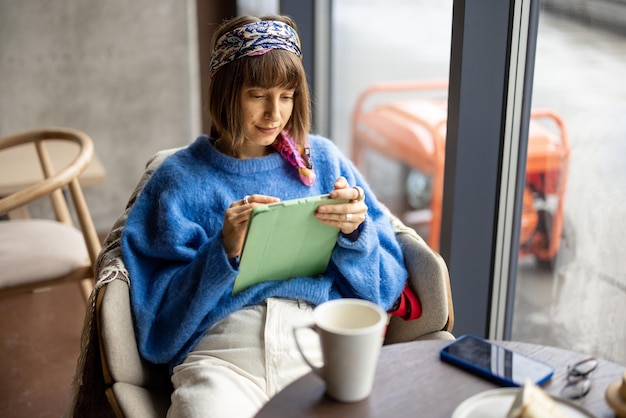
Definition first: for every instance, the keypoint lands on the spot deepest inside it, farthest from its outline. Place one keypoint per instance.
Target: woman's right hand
(236, 221)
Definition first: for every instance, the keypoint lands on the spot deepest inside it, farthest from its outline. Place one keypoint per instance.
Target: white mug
(351, 334)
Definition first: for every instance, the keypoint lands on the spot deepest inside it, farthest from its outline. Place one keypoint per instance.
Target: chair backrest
(53, 183)
(132, 384)
(429, 278)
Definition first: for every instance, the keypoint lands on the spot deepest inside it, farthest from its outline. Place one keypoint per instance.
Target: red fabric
(408, 306)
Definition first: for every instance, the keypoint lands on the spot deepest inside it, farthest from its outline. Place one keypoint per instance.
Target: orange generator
(406, 122)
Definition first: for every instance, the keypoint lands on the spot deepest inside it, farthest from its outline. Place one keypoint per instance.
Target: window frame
(490, 91)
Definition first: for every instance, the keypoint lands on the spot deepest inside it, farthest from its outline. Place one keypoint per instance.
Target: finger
(346, 192)
(256, 198)
(342, 218)
(341, 183)
(338, 212)
(236, 216)
(360, 194)
(246, 200)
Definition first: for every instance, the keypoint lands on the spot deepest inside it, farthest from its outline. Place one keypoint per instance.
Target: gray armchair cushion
(428, 277)
(118, 344)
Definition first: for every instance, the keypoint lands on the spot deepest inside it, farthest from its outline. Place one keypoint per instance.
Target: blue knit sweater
(181, 278)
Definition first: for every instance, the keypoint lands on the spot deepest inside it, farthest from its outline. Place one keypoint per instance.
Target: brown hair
(276, 68)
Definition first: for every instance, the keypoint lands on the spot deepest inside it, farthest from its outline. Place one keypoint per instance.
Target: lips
(267, 131)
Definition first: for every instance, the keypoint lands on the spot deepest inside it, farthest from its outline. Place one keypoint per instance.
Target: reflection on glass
(571, 284)
(576, 301)
(405, 55)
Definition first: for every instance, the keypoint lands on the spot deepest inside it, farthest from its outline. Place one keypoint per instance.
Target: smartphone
(494, 362)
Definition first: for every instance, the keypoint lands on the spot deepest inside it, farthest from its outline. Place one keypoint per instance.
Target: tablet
(284, 240)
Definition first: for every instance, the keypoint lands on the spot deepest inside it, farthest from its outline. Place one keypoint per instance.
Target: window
(573, 297)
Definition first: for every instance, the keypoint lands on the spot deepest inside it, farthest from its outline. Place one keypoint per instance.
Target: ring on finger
(361, 193)
(349, 217)
(246, 200)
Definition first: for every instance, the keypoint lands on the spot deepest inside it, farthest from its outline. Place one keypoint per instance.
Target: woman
(229, 354)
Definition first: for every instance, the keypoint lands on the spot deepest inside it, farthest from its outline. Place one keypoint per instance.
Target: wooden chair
(111, 375)
(36, 252)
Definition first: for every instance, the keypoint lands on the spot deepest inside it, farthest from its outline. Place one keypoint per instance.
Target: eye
(256, 93)
(287, 95)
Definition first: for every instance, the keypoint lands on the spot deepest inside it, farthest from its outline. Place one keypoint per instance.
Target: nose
(272, 109)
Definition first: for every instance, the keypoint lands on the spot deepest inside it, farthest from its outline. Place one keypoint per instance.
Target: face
(265, 114)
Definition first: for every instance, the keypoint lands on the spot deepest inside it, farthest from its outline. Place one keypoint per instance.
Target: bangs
(276, 68)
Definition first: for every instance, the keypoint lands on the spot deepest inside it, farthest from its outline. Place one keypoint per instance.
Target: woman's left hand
(346, 216)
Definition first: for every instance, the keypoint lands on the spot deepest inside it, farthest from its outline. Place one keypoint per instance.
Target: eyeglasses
(578, 382)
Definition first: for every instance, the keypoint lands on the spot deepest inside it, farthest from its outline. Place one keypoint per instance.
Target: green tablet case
(284, 240)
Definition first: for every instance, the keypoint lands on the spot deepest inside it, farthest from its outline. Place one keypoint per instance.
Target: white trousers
(244, 360)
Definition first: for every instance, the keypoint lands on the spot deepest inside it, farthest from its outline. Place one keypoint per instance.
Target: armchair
(115, 381)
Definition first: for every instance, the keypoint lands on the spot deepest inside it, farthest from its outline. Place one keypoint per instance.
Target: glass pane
(398, 51)
(571, 286)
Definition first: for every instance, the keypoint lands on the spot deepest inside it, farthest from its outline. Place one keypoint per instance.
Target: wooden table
(411, 381)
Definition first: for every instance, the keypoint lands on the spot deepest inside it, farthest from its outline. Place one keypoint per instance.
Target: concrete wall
(125, 72)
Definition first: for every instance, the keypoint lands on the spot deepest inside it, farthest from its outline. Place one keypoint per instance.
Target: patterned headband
(253, 39)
